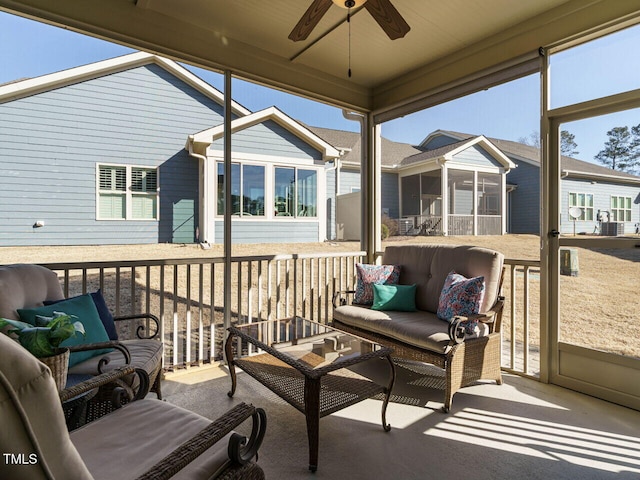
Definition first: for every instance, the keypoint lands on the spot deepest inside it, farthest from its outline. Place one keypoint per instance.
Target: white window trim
(592, 207)
(623, 210)
(128, 193)
(269, 192)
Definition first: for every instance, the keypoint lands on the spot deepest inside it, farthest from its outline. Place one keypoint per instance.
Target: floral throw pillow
(461, 296)
(368, 275)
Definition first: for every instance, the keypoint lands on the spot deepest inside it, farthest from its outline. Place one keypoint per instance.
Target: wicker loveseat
(420, 335)
(29, 286)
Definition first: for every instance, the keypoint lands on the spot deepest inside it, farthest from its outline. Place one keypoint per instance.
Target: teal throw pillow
(85, 309)
(401, 298)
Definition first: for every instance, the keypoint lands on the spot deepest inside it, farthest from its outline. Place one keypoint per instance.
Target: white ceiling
(449, 40)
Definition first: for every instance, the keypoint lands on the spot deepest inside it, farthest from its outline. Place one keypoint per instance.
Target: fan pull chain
(349, 22)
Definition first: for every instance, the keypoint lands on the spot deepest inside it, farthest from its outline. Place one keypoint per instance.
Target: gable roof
(201, 140)
(397, 155)
(447, 152)
(571, 167)
(393, 153)
(32, 86)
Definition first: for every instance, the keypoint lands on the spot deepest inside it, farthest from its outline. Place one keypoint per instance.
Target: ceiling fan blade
(309, 20)
(388, 18)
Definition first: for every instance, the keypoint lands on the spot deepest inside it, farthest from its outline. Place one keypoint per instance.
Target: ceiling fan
(381, 10)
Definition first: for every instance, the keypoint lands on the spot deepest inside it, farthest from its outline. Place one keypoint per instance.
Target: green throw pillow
(401, 298)
(87, 313)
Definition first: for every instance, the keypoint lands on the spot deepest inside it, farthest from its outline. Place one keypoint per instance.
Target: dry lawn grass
(598, 306)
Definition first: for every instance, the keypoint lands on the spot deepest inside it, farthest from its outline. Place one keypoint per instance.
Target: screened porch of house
(473, 203)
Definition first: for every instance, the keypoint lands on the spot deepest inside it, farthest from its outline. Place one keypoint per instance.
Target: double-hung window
(295, 192)
(620, 209)
(585, 202)
(127, 193)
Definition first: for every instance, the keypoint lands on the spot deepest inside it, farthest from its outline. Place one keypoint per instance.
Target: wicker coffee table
(304, 363)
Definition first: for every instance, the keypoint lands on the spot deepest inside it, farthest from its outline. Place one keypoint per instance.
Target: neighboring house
(130, 150)
(592, 188)
(505, 176)
(278, 179)
(97, 155)
(430, 188)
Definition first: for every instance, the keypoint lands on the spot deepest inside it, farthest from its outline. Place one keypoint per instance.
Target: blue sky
(511, 111)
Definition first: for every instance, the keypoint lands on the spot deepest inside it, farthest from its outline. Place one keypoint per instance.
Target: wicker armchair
(147, 438)
(31, 286)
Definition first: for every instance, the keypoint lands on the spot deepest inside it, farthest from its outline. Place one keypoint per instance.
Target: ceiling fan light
(349, 3)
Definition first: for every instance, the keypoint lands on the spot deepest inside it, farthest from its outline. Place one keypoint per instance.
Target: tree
(532, 140)
(567, 142)
(622, 151)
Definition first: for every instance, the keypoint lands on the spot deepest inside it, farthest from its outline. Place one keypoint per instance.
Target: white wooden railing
(187, 296)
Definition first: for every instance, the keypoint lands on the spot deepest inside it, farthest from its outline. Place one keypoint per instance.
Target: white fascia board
(494, 151)
(260, 159)
(520, 158)
(420, 167)
(50, 81)
(439, 133)
(356, 165)
(199, 84)
(600, 176)
(32, 86)
(207, 137)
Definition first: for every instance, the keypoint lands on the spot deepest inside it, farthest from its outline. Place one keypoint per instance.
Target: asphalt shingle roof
(531, 153)
(402, 154)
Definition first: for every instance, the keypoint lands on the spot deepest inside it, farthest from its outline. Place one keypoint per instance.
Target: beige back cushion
(29, 402)
(26, 286)
(428, 266)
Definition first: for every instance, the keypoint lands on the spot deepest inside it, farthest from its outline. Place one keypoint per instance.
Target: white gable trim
(32, 86)
(481, 140)
(206, 137)
(440, 133)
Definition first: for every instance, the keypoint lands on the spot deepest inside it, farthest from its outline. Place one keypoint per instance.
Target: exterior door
(593, 261)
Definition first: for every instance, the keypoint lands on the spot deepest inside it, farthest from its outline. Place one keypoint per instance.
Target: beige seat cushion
(145, 354)
(421, 329)
(140, 435)
(29, 401)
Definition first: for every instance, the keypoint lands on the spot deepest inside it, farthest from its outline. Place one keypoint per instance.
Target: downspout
(204, 207)
(336, 191)
(364, 184)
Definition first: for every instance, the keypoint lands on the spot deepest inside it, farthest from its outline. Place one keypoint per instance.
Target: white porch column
(444, 188)
(503, 201)
(206, 202)
(474, 203)
(227, 203)
(370, 181)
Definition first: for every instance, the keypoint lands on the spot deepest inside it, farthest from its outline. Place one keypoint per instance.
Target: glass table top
(309, 343)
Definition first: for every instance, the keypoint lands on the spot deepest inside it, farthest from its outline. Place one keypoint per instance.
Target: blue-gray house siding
(390, 202)
(524, 201)
(602, 193)
(51, 142)
(285, 149)
(269, 138)
(474, 156)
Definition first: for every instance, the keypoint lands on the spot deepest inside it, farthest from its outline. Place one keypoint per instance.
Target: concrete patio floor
(522, 429)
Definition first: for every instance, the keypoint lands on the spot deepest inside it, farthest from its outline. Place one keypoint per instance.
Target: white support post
(227, 201)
